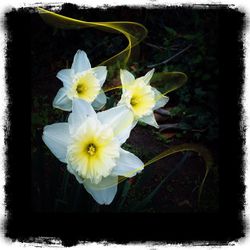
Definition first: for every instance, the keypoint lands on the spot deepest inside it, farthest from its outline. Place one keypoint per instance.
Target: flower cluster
(90, 142)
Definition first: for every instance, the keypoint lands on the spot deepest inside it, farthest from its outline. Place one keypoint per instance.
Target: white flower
(90, 144)
(81, 82)
(140, 97)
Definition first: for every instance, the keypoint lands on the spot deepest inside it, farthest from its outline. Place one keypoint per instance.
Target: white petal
(80, 111)
(161, 100)
(57, 138)
(127, 165)
(72, 171)
(126, 77)
(66, 76)
(81, 62)
(150, 119)
(100, 101)
(148, 76)
(100, 73)
(120, 118)
(61, 100)
(100, 192)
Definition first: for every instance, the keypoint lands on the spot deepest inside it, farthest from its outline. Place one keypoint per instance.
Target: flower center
(134, 101)
(85, 86)
(91, 149)
(140, 98)
(80, 88)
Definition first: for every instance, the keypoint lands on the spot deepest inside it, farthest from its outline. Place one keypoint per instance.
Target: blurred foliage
(43, 116)
(196, 107)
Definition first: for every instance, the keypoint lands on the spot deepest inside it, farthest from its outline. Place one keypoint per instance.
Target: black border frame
(218, 228)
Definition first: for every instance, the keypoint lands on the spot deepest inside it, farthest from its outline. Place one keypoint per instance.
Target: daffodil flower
(81, 82)
(140, 97)
(90, 144)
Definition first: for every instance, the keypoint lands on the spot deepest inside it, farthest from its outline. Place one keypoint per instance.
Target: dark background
(207, 108)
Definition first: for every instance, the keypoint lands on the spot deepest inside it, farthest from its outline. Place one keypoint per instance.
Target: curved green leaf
(168, 81)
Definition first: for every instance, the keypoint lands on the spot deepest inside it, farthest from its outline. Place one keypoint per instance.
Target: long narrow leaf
(134, 32)
(142, 204)
(124, 194)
